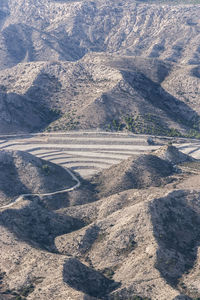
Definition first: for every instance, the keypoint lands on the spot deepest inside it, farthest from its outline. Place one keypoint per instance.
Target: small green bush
(46, 169)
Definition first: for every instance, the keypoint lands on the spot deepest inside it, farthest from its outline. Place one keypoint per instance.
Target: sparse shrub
(153, 125)
(46, 169)
(150, 141)
(25, 291)
(129, 248)
(108, 272)
(101, 237)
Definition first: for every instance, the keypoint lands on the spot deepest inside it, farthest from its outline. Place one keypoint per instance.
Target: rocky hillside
(138, 243)
(21, 115)
(144, 171)
(173, 155)
(101, 91)
(147, 80)
(23, 173)
(67, 30)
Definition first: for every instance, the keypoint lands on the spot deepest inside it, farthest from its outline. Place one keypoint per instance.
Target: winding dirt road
(86, 152)
(46, 194)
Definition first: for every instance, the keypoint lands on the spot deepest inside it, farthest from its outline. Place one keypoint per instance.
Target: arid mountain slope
(138, 242)
(100, 91)
(21, 115)
(23, 173)
(66, 30)
(145, 244)
(141, 243)
(149, 82)
(173, 155)
(142, 172)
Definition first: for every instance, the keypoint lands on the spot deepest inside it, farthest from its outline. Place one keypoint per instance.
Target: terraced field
(88, 152)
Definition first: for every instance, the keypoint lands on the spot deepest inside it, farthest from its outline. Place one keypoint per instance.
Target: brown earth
(139, 242)
(23, 173)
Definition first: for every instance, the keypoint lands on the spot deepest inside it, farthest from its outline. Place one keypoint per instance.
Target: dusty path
(46, 194)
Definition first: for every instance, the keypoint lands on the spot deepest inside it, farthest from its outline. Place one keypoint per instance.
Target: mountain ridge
(67, 31)
(103, 91)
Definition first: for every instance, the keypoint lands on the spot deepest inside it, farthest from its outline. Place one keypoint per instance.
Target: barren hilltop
(78, 81)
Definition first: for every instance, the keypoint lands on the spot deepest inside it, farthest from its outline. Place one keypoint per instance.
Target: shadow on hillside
(152, 92)
(43, 87)
(196, 72)
(20, 36)
(176, 225)
(23, 114)
(10, 183)
(142, 172)
(37, 226)
(87, 280)
(182, 297)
